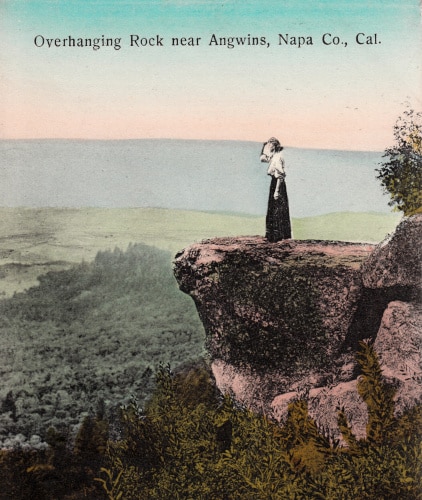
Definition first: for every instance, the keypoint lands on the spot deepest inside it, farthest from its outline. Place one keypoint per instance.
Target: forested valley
(91, 337)
(106, 395)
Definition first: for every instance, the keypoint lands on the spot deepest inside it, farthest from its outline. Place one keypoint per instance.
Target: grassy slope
(34, 241)
(363, 227)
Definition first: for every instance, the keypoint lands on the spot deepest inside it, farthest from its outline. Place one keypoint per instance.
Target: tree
(91, 441)
(401, 174)
(9, 405)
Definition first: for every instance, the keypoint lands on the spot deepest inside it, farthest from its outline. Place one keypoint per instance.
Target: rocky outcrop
(396, 262)
(284, 319)
(273, 306)
(323, 404)
(399, 346)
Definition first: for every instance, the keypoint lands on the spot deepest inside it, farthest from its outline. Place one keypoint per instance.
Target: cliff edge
(283, 320)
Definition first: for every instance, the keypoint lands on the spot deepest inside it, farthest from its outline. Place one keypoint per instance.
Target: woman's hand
(276, 196)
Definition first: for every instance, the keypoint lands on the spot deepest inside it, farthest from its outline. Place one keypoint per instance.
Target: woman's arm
(279, 173)
(277, 189)
(280, 176)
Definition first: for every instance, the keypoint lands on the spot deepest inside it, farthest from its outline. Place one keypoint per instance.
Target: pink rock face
(252, 389)
(398, 344)
(266, 305)
(258, 392)
(323, 404)
(283, 319)
(396, 262)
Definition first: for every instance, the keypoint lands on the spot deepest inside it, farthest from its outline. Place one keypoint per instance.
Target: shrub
(218, 450)
(401, 174)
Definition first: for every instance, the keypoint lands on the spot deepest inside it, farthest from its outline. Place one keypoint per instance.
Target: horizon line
(92, 139)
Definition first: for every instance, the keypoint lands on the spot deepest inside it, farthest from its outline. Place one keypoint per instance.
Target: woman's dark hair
(276, 143)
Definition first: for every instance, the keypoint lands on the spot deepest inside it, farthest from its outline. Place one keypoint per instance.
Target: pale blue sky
(313, 96)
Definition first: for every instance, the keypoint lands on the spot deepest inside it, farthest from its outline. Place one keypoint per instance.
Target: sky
(344, 95)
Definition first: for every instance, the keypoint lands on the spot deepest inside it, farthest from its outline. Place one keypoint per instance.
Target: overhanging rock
(285, 306)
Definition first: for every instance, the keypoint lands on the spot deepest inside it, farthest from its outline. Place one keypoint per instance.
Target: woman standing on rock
(278, 217)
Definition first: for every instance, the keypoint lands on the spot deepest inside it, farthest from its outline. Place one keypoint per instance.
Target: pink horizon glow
(31, 122)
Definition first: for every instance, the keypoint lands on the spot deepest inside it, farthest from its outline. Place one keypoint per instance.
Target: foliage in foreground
(65, 469)
(191, 444)
(401, 174)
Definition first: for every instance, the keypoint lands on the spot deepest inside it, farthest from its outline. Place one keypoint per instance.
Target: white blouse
(276, 168)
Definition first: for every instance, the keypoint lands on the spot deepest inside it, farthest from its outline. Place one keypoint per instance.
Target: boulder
(324, 404)
(392, 272)
(285, 306)
(396, 262)
(399, 344)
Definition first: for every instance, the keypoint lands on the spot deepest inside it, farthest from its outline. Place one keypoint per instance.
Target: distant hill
(191, 175)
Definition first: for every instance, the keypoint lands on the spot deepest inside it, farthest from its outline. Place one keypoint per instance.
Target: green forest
(91, 335)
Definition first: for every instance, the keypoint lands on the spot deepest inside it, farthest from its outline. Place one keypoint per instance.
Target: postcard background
(68, 112)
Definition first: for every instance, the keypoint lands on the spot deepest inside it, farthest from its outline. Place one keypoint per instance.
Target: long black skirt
(278, 216)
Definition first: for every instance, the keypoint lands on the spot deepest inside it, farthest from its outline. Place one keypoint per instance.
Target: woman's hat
(274, 141)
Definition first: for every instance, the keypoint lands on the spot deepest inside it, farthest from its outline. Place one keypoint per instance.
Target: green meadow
(35, 241)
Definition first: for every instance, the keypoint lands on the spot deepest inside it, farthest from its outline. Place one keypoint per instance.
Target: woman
(278, 217)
